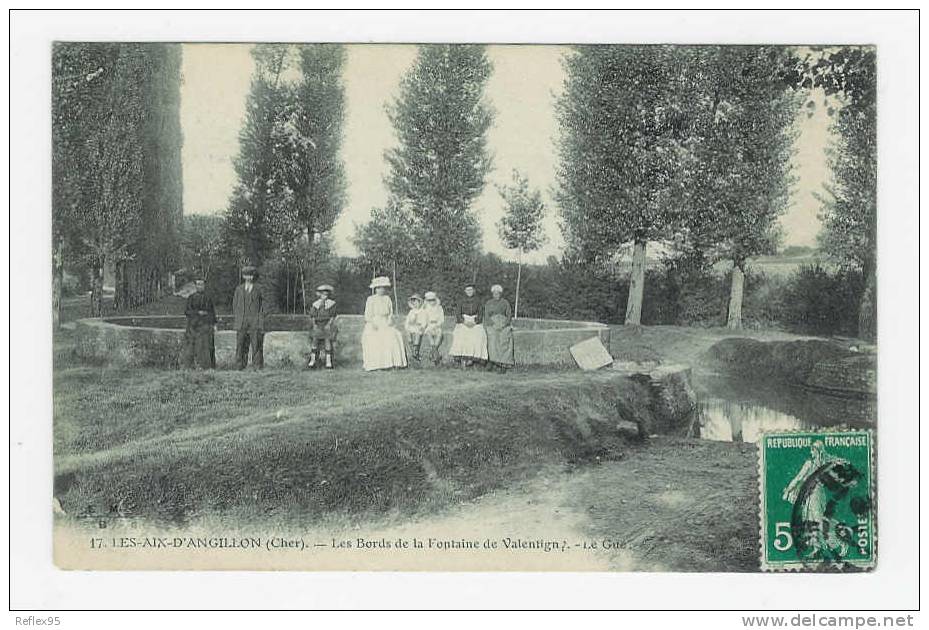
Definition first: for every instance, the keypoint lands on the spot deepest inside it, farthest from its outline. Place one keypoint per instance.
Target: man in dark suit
(248, 310)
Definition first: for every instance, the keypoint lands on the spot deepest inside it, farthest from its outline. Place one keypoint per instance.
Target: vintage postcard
(464, 307)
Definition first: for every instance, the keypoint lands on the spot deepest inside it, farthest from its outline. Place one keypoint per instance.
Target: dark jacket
(322, 312)
(199, 302)
(248, 308)
(501, 307)
(470, 306)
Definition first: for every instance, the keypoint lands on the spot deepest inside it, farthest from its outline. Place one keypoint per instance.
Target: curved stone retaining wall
(157, 340)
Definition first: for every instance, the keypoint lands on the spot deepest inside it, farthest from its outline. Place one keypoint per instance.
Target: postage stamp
(816, 492)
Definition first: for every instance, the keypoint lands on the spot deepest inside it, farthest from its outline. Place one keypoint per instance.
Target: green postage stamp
(817, 500)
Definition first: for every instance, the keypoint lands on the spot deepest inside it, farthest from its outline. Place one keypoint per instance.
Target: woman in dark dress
(498, 318)
(201, 321)
(469, 340)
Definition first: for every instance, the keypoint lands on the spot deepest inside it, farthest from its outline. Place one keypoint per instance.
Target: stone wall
(157, 340)
(673, 400)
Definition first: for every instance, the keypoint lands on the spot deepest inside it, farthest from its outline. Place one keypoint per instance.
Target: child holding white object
(415, 324)
(435, 319)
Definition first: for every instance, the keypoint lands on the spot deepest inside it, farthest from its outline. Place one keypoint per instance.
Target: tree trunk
(303, 289)
(96, 292)
(867, 310)
(57, 283)
(253, 250)
(286, 290)
(519, 269)
(121, 288)
(636, 285)
(734, 320)
(394, 283)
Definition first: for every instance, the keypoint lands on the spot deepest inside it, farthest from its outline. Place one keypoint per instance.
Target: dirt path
(660, 508)
(531, 526)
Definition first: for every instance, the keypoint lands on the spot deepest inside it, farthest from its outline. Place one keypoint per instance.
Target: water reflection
(738, 410)
(731, 421)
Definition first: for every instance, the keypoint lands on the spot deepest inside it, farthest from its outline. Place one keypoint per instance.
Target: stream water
(737, 410)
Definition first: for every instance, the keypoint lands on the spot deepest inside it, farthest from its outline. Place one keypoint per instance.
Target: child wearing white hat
(415, 323)
(435, 319)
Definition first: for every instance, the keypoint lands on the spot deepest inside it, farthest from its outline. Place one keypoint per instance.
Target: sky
(521, 91)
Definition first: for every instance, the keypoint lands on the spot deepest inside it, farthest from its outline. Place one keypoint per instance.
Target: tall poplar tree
(311, 139)
(317, 170)
(441, 160)
(291, 184)
(629, 126)
(116, 164)
(81, 85)
(261, 187)
(156, 253)
(741, 179)
(850, 210)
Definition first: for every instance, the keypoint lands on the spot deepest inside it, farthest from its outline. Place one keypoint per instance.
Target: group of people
(248, 313)
(483, 332)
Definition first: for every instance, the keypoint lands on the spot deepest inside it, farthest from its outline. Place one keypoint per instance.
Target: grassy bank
(333, 449)
(174, 445)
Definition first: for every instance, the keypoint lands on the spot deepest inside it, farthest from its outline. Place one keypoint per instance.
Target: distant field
(780, 266)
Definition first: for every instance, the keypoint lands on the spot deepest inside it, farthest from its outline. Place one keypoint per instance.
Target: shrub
(814, 300)
(819, 301)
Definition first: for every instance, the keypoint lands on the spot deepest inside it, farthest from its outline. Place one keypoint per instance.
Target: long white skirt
(382, 348)
(469, 343)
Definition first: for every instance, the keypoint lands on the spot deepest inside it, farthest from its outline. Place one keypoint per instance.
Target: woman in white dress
(381, 343)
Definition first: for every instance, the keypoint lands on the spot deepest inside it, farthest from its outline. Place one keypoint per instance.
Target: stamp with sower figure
(817, 500)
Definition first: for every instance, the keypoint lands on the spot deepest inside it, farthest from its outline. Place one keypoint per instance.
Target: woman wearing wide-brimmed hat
(381, 344)
(469, 340)
(324, 331)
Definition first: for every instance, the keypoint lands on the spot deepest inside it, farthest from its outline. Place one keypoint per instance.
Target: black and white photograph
(467, 306)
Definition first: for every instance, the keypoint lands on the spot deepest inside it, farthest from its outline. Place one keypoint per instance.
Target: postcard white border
(37, 584)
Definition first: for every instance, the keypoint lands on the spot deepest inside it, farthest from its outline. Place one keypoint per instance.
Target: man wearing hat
(201, 321)
(248, 309)
(322, 316)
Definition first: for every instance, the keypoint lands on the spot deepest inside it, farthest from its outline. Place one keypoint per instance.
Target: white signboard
(590, 354)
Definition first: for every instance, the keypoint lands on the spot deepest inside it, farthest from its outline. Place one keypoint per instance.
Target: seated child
(435, 319)
(415, 323)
